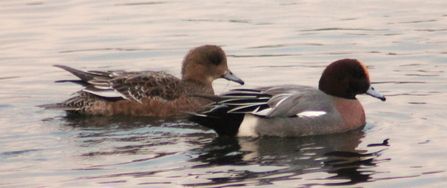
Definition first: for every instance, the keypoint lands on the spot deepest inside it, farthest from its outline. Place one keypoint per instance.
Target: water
(403, 44)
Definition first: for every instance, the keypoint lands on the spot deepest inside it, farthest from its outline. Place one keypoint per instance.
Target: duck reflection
(334, 154)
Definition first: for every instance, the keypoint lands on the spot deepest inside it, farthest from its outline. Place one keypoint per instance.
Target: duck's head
(346, 78)
(207, 63)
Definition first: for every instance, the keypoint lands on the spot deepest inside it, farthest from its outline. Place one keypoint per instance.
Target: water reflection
(136, 144)
(130, 135)
(335, 155)
(87, 121)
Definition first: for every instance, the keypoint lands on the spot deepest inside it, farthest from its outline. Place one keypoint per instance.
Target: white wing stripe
(263, 112)
(311, 113)
(246, 104)
(241, 107)
(282, 100)
(104, 93)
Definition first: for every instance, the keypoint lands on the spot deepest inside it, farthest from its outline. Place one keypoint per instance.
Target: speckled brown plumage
(148, 93)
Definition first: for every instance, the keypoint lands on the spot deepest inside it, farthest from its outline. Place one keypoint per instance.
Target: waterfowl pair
(293, 110)
(149, 93)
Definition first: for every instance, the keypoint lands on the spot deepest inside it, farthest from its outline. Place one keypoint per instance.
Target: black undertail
(223, 123)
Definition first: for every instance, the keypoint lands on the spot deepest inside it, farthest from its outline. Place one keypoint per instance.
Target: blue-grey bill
(372, 92)
(231, 77)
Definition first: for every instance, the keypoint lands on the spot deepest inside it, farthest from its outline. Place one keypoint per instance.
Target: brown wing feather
(154, 85)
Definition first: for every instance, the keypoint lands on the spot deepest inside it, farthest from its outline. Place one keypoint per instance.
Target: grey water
(403, 44)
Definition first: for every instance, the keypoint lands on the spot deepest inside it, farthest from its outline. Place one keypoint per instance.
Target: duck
(293, 110)
(148, 93)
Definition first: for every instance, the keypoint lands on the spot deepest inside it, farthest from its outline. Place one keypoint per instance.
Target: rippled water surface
(403, 43)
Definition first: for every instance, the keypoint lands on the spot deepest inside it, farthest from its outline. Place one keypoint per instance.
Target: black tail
(220, 121)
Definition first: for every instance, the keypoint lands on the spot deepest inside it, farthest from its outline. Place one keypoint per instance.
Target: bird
(148, 93)
(293, 110)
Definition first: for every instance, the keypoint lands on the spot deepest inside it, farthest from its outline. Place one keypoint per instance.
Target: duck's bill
(231, 77)
(372, 92)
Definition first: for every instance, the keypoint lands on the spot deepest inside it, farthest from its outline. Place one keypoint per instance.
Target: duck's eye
(215, 61)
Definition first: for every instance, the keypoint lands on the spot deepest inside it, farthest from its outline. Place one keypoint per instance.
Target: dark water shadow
(334, 154)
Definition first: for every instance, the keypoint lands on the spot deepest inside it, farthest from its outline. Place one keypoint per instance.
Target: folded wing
(266, 102)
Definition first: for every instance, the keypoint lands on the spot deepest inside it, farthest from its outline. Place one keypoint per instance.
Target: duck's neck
(340, 94)
(194, 87)
(340, 88)
(351, 111)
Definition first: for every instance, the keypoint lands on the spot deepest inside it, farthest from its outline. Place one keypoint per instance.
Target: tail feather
(84, 76)
(80, 82)
(58, 106)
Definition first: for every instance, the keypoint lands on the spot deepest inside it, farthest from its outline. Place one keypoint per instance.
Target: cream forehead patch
(364, 69)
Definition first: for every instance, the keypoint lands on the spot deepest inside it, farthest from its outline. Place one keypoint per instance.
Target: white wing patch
(311, 114)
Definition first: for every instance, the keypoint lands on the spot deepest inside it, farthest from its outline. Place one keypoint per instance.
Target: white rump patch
(311, 114)
(248, 126)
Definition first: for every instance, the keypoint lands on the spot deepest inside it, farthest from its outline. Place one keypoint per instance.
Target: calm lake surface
(403, 43)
